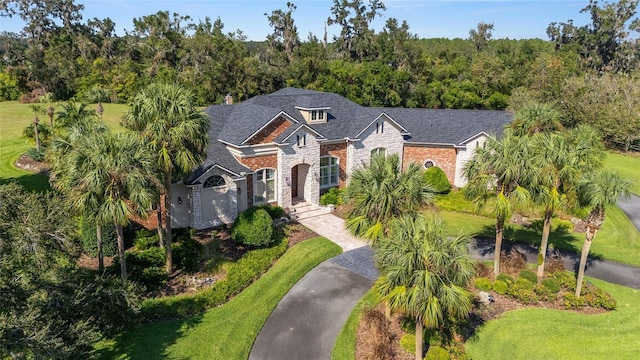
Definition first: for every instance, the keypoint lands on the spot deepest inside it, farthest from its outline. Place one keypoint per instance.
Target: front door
(294, 182)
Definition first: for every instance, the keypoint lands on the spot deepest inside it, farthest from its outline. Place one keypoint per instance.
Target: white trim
(298, 129)
(313, 108)
(403, 131)
(416, 143)
(264, 181)
(279, 115)
(474, 137)
(199, 180)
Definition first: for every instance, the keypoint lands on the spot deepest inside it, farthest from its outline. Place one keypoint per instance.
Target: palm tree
(381, 191)
(597, 190)
(109, 176)
(424, 273)
(36, 121)
(500, 168)
(563, 158)
(72, 113)
(536, 118)
(166, 118)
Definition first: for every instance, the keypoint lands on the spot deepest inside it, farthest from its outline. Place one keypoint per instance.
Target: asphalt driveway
(631, 207)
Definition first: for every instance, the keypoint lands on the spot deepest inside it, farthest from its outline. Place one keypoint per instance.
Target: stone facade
(443, 157)
(464, 155)
(291, 155)
(381, 134)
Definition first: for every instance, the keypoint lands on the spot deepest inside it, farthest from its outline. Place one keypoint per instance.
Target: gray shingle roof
(235, 123)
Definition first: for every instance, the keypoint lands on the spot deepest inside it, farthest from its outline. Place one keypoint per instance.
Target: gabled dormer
(315, 115)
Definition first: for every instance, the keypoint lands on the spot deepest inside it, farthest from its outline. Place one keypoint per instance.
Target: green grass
(538, 333)
(15, 117)
(618, 240)
(626, 165)
(228, 331)
(345, 347)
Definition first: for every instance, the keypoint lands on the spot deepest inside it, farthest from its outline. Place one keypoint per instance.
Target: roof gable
(385, 117)
(271, 130)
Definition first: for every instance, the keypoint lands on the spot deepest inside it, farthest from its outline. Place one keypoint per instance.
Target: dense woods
(60, 53)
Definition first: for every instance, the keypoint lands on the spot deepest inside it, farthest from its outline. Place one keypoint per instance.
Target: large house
(294, 144)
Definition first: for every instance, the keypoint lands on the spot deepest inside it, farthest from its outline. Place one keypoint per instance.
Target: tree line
(59, 53)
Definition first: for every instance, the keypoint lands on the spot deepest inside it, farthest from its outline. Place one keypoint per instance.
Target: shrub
(152, 277)
(187, 253)
(90, 242)
(566, 279)
(333, 196)
(144, 243)
(435, 177)
(508, 279)
(571, 301)
(524, 283)
(500, 287)
(599, 298)
(241, 274)
(408, 325)
(35, 155)
(275, 212)
(253, 227)
(552, 284)
(483, 284)
(542, 293)
(529, 275)
(408, 343)
(137, 261)
(482, 269)
(437, 353)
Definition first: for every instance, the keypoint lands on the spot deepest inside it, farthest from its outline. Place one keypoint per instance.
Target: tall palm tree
(501, 168)
(166, 118)
(563, 158)
(65, 173)
(111, 177)
(597, 190)
(381, 191)
(424, 273)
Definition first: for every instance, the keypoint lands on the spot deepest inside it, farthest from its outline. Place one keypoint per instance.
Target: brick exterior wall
(339, 151)
(270, 132)
(260, 162)
(444, 158)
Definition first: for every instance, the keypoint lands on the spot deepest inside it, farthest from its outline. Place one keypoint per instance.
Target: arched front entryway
(299, 183)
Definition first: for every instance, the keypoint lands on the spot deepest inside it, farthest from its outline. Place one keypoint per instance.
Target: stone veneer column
(196, 205)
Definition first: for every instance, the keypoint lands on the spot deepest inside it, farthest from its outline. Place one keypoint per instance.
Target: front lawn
(626, 165)
(15, 117)
(228, 331)
(537, 333)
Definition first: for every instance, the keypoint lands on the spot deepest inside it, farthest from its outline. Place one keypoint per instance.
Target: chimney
(228, 100)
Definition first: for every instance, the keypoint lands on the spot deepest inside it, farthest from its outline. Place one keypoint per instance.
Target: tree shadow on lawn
(526, 240)
(38, 182)
(148, 341)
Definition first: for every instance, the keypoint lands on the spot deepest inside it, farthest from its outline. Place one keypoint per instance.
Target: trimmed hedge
(240, 275)
(408, 343)
(529, 275)
(483, 284)
(254, 227)
(437, 353)
(436, 177)
(500, 287)
(506, 278)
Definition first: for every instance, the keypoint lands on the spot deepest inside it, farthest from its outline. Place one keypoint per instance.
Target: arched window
(214, 181)
(329, 171)
(264, 186)
(429, 163)
(379, 151)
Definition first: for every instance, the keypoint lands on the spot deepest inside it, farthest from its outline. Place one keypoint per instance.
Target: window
(317, 115)
(329, 171)
(379, 151)
(214, 181)
(429, 163)
(301, 139)
(380, 127)
(264, 186)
